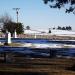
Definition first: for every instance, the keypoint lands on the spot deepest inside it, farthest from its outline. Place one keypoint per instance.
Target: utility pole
(17, 12)
(16, 9)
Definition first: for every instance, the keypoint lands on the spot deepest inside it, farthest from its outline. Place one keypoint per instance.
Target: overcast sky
(36, 14)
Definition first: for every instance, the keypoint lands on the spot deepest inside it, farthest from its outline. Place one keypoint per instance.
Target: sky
(36, 14)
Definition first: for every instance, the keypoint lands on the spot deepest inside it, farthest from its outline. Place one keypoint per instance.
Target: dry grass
(16, 45)
(50, 66)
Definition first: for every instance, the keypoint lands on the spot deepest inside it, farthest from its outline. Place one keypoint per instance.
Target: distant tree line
(64, 28)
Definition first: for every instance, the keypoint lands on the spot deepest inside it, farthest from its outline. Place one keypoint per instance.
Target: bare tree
(5, 18)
